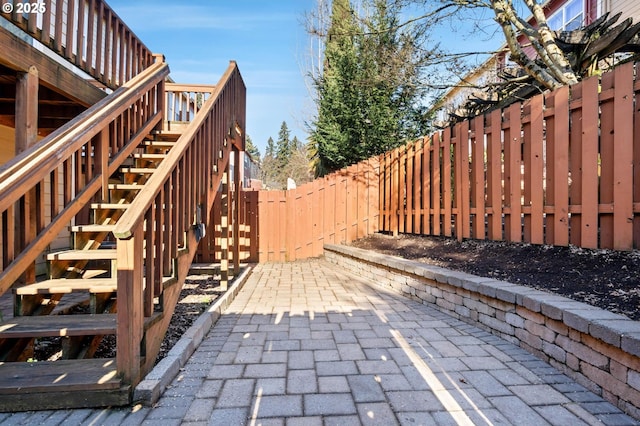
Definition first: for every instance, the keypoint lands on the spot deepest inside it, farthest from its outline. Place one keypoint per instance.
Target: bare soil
(604, 278)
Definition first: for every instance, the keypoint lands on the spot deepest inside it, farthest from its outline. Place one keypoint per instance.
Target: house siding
(629, 8)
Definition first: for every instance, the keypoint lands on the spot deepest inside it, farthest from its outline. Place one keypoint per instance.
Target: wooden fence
(561, 168)
(295, 224)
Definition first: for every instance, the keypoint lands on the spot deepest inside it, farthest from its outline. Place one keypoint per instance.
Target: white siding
(629, 8)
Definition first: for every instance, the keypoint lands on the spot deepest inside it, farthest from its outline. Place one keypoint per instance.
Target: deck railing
(87, 33)
(71, 167)
(185, 100)
(161, 223)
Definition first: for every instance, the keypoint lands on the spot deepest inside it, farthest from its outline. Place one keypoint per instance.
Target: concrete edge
(615, 329)
(149, 390)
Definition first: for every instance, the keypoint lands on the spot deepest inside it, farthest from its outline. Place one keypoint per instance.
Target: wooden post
(26, 136)
(130, 305)
(237, 185)
(26, 109)
(224, 232)
(623, 158)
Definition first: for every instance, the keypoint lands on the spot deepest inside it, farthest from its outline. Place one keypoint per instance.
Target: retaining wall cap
(602, 324)
(581, 317)
(631, 343)
(611, 331)
(554, 308)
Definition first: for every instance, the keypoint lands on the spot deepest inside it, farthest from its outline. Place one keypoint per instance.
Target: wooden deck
(61, 384)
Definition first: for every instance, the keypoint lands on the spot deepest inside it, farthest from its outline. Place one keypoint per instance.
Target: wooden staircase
(88, 272)
(132, 180)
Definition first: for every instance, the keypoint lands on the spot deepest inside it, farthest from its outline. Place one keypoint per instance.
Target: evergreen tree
(284, 145)
(252, 150)
(368, 93)
(269, 167)
(296, 144)
(285, 160)
(271, 149)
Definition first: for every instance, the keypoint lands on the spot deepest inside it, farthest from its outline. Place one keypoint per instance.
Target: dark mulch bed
(604, 278)
(197, 294)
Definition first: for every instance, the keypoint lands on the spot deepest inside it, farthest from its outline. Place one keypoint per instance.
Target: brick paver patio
(306, 344)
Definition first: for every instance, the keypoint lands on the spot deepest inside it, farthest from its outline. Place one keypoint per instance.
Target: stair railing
(87, 33)
(159, 225)
(185, 100)
(43, 189)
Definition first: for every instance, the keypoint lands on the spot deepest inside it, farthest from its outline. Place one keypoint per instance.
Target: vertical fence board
(463, 228)
(494, 175)
(426, 186)
(374, 195)
(401, 188)
(290, 226)
(351, 219)
(561, 171)
(623, 158)
(394, 194)
(606, 161)
(330, 209)
(549, 152)
(410, 184)
(576, 111)
(341, 207)
(636, 169)
(536, 171)
(477, 176)
(436, 183)
(417, 186)
(513, 174)
(447, 184)
(318, 208)
(361, 178)
(385, 201)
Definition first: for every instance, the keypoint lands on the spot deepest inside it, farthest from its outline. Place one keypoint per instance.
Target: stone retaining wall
(599, 349)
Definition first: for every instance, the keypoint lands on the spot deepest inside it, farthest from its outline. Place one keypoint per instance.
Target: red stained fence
(295, 224)
(561, 168)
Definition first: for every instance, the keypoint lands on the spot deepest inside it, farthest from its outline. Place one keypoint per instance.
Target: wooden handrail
(159, 221)
(105, 48)
(179, 87)
(134, 215)
(32, 165)
(185, 100)
(21, 162)
(78, 155)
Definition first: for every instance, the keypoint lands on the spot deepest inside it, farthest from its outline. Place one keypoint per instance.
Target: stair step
(62, 285)
(92, 228)
(138, 170)
(145, 156)
(109, 206)
(126, 186)
(166, 135)
(58, 325)
(100, 254)
(159, 143)
(61, 384)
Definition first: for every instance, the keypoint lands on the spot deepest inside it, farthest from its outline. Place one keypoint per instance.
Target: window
(569, 17)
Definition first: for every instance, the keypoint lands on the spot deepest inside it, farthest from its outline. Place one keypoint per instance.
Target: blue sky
(265, 37)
